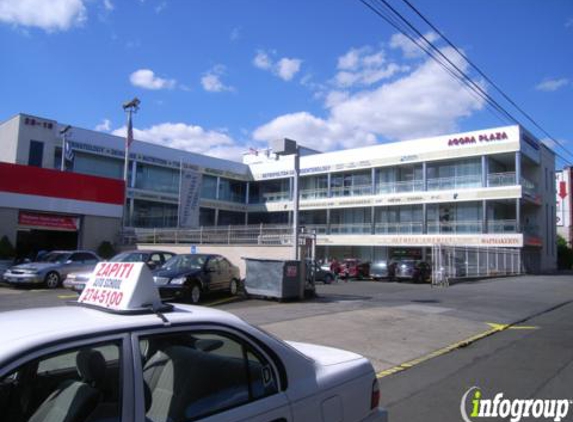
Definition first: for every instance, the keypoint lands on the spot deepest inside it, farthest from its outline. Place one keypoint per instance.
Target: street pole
(129, 107)
(295, 222)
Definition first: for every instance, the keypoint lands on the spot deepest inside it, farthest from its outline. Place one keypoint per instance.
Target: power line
(494, 85)
(400, 23)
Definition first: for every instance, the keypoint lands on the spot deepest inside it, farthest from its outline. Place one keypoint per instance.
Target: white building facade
(488, 188)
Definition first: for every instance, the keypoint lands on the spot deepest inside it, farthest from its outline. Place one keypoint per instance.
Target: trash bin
(273, 278)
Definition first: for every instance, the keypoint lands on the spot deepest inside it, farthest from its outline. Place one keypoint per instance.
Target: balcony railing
(455, 227)
(355, 228)
(356, 190)
(502, 226)
(501, 179)
(399, 228)
(459, 182)
(399, 187)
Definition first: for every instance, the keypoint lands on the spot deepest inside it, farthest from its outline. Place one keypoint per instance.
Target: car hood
(36, 266)
(175, 273)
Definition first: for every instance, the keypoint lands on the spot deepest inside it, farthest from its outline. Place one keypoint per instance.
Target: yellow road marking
(495, 328)
(67, 296)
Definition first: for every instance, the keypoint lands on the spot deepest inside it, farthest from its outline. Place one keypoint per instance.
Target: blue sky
(219, 76)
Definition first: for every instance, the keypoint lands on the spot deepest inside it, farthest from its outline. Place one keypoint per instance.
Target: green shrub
(7, 251)
(564, 254)
(106, 250)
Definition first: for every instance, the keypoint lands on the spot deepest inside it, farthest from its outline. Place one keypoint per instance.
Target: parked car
(76, 281)
(379, 270)
(171, 363)
(354, 268)
(417, 271)
(320, 272)
(52, 268)
(189, 276)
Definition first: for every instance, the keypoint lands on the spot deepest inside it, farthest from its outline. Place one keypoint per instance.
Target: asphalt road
(533, 359)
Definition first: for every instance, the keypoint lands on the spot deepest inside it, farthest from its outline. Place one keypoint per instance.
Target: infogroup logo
(515, 409)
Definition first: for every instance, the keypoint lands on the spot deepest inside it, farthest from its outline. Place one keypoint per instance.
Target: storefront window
(98, 165)
(232, 190)
(158, 179)
(154, 214)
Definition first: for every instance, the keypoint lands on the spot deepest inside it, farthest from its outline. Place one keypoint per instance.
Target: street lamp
(63, 133)
(129, 107)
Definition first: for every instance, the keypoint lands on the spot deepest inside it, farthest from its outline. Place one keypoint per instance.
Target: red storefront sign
(48, 221)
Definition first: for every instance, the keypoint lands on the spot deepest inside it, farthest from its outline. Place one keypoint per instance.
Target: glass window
(36, 153)
(98, 165)
(194, 374)
(231, 218)
(208, 187)
(232, 190)
(206, 217)
(156, 178)
(154, 214)
(83, 383)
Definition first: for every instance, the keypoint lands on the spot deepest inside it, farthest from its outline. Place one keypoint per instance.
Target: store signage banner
(562, 208)
(48, 221)
(189, 195)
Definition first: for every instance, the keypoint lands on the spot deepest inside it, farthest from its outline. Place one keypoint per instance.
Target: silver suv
(52, 268)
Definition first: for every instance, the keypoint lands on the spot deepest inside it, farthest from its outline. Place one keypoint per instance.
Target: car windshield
(184, 262)
(129, 257)
(55, 257)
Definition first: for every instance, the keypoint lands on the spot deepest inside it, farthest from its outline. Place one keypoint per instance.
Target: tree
(564, 254)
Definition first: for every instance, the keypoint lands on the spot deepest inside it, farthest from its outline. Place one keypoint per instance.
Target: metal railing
(455, 227)
(356, 190)
(457, 182)
(275, 234)
(399, 187)
(399, 228)
(452, 262)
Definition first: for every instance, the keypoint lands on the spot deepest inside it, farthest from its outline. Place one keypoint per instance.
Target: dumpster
(273, 278)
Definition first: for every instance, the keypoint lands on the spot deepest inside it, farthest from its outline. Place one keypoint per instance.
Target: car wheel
(52, 280)
(328, 279)
(234, 287)
(195, 293)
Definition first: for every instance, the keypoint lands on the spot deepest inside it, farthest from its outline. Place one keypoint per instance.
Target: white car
(122, 355)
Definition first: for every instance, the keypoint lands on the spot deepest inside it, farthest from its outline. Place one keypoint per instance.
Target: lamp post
(64, 133)
(129, 107)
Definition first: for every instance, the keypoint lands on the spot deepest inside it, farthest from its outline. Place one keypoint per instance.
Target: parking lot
(391, 323)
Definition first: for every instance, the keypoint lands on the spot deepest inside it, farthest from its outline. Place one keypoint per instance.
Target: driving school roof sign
(121, 286)
(474, 139)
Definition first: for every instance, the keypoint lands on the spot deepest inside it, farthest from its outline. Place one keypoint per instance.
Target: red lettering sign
(48, 221)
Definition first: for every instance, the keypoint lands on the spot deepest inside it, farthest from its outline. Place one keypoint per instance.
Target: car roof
(147, 251)
(29, 328)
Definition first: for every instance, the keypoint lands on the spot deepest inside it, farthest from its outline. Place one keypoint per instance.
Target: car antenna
(157, 311)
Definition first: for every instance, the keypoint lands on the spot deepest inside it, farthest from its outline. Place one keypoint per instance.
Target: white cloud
(262, 61)
(211, 80)
(235, 34)
(285, 68)
(549, 85)
(189, 138)
(108, 5)
(160, 7)
(51, 16)
(569, 23)
(408, 47)
(145, 78)
(427, 101)
(363, 66)
(104, 126)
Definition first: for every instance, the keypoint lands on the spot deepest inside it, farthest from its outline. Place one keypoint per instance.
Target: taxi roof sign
(121, 287)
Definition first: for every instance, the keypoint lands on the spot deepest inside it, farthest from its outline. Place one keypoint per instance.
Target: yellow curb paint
(524, 327)
(68, 296)
(497, 327)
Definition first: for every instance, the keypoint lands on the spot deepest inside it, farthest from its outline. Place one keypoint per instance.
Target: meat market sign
(475, 139)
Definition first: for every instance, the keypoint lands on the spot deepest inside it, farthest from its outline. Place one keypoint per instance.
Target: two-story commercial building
(488, 188)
